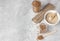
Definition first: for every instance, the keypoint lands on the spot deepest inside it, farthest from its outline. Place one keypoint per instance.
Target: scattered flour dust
(32, 27)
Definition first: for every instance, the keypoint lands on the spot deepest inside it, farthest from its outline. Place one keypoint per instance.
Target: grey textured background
(15, 20)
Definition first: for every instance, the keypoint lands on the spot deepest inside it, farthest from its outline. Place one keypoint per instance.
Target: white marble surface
(15, 20)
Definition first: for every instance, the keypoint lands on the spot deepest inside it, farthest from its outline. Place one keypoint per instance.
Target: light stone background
(16, 23)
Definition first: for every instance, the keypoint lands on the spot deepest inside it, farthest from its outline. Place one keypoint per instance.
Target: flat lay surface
(16, 21)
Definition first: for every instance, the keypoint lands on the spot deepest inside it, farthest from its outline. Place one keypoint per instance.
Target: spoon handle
(50, 33)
